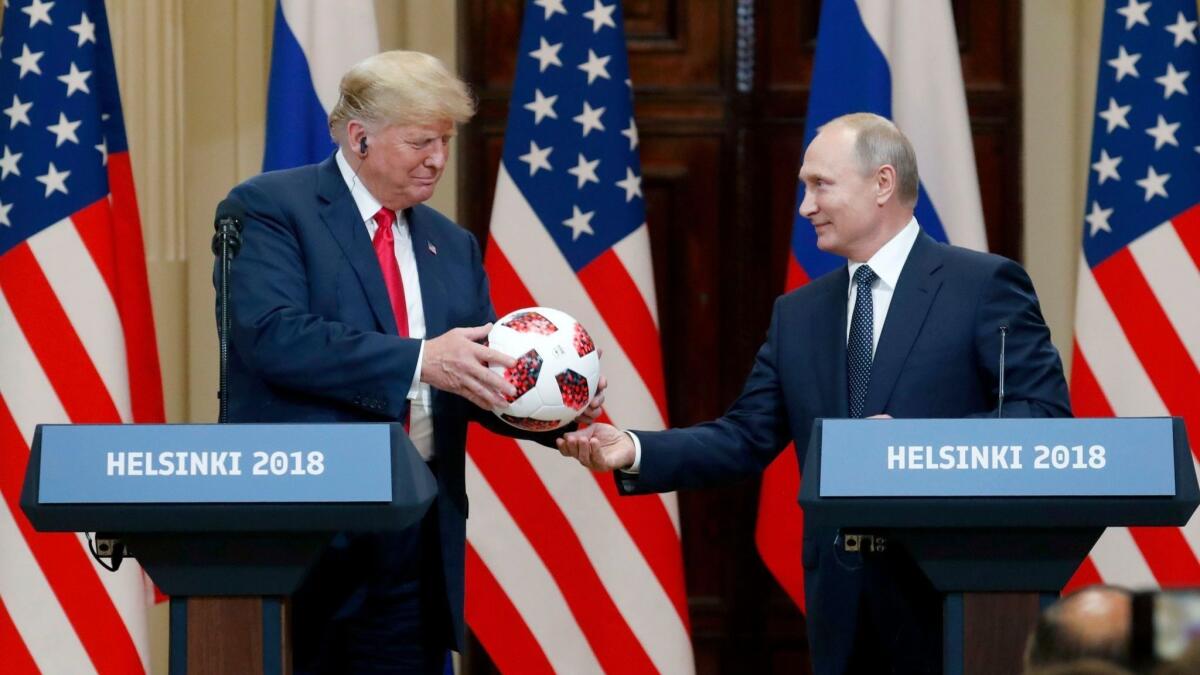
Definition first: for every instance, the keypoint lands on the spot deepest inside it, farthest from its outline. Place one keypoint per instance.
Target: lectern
(998, 513)
(225, 518)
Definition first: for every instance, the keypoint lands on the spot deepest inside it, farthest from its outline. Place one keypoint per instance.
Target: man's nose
(808, 205)
(438, 154)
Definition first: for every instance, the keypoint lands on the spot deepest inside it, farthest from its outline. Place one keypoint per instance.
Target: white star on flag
(64, 130)
(102, 148)
(1107, 167)
(1163, 133)
(76, 80)
(542, 106)
(1154, 184)
(1115, 115)
(85, 29)
(580, 223)
(1125, 63)
(1172, 81)
(601, 15)
(585, 171)
(28, 61)
(1135, 13)
(596, 66)
(1183, 30)
(4, 209)
(537, 158)
(1098, 219)
(39, 12)
(590, 118)
(18, 112)
(8, 163)
(54, 180)
(552, 7)
(632, 184)
(546, 55)
(630, 132)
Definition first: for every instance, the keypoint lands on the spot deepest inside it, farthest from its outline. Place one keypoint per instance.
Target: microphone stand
(225, 244)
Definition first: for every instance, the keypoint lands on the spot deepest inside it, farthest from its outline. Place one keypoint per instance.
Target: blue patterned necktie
(858, 347)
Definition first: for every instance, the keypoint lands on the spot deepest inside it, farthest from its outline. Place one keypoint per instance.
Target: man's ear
(885, 184)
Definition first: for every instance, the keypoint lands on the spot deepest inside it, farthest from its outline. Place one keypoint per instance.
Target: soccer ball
(557, 367)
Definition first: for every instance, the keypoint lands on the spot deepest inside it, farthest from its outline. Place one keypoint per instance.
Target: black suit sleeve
(1034, 382)
(278, 337)
(741, 442)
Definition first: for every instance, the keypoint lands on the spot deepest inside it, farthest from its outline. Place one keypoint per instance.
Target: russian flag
(899, 60)
(315, 43)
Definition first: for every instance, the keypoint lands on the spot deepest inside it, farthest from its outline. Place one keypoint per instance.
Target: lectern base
(985, 633)
(229, 634)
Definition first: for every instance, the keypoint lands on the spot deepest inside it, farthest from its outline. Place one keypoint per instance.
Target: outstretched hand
(599, 447)
(457, 363)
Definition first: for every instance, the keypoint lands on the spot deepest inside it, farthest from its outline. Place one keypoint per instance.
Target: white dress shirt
(420, 423)
(887, 263)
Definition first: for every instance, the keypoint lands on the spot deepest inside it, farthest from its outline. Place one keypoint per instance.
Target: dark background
(720, 118)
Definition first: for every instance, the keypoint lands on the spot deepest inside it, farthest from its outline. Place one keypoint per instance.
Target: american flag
(898, 60)
(76, 332)
(1137, 328)
(562, 574)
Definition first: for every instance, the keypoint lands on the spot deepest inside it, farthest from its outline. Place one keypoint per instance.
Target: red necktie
(385, 250)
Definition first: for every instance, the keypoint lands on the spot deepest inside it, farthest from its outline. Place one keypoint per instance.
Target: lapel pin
(432, 248)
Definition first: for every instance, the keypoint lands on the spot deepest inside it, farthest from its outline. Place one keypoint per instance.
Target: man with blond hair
(352, 301)
(908, 328)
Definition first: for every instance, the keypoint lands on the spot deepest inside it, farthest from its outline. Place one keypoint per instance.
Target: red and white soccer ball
(557, 368)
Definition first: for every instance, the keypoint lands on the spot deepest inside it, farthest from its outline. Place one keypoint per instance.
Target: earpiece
(362, 146)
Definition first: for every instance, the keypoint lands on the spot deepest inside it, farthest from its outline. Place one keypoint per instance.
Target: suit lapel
(917, 287)
(830, 343)
(341, 216)
(434, 297)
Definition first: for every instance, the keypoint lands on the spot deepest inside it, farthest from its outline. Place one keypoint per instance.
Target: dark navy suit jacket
(314, 340)
(937, 357)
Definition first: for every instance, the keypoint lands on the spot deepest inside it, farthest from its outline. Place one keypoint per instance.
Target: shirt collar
(367, 205)
(888, 261)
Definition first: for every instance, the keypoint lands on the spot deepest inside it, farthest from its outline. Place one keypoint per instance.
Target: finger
(561, 444)
(490, 357)
(474, 333)
(596, 404)
(484, 397)
(494, 381)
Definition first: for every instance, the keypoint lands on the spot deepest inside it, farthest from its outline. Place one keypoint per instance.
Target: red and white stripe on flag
(1137, 331)
(76, 331)
(563, 574)
(1137, 350)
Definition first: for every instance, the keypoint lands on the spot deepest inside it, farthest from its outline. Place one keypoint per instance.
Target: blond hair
(877, 142)
(399, 87)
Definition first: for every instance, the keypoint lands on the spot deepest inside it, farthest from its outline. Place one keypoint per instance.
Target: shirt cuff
(637, 454)
(414, 390)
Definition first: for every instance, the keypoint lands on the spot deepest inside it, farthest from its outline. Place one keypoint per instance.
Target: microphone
(1000, 395)
(228, 226)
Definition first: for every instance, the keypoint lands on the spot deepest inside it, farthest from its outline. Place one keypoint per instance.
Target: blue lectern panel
(997, 458)
(206, 463)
